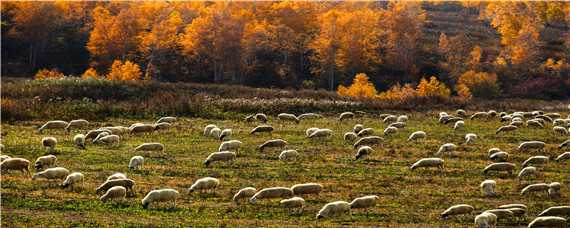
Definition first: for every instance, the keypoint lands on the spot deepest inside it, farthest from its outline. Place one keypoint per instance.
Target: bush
(48, 74)
(361, 87)
(399, 93)
(127, 71)
(90, 73)
(480, 84)
(433, 88)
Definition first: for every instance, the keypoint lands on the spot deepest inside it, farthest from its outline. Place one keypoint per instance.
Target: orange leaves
(90, 73)
(48, 74)
(360, 87)
(399, 93)
(480, 84)
(433, 88)
(127, 71)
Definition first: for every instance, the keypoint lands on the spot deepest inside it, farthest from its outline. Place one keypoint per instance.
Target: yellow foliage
(48, 74)
(90, 73)
(127, 71)
(433, 88)
(360, 87)
(480, 84)
(463, 92)
(398, 92)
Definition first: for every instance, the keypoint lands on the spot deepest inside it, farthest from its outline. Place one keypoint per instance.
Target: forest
(384, 50)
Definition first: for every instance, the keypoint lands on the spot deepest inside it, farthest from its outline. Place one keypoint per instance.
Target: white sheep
(288, 117)
(309, 116)
(273, 192)
(261, 117)
(390, 119)
(333, 209)
(310, 131)
(459, 125)
(560, 130)
(79, 141)
(166, 119)
(4, 157)
(500, 166)
(116, 176)
(215, 132)
(94, 133)
(121, 130)
(205, 184)
(136, 162)
(512, 205)
(563, 156)
(162, 126)
(161, 195)
(141, 128)
(535, 188)
(398, 125)
(350, 136)
(220, 156)
(417, 135)
(363, 151)
(402, 118)
(101, 135)
(366, 132)
(564, 144)
(548, 221)
(288, 155)
(479, 115)
(428, 162)
(52, 174)
(486, 220)
(109, 140)
(72, 179)
(80, 123)
(230, 145)
(531, 145)
(321, 133)
(280, 143)
(306, 188)
(225, 134)
(53, 124)
(114, 193)
(554, 189)
(15, 164)
(357, 128)
(500, 156)
(517, 123)
(535, 123)
(390, 131)
(294, 203)
(261, 129)
(244, 193)
(501, 213)
(527, 172)
(459, 209)
(150, 147)
(208, 128)
(49, 142)
(446, 148)
(494, 150)
(562, 211)
(127, 183)
(45, 161)
(470, 138)
(368, 141)
(346, 115)
(535, 160)
(461, 112)
(488, 187)
(364, 202)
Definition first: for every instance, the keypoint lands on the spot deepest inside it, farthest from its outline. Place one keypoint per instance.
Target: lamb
(364, 202)
(363, 151)
(334, 208)
(366, 132)
(53, 124)
(448, 147)
(457, 210)
(162, 126)
(534, 123)
(501, 213)
(321, 133)
(390, 131)
(547, 221)
(390, 119)
(261, 129)
(563, 156)
(109, 139)
(117, 192)
(564, 144)
(49, 142)
(80, 123)
(52, 174)
(45, 161)
(230, 145)
(486, 220)
(220, 156)
(117, 176)
(161, 195)
(402, 118)
(4, 157)
(307, 188)
(166, 119)
(127, 183)
(350, 136)
(535, 160)
(226, 133)
(94, 133)
(428, 162)
(288, 117)
(141, 128)
(150, 147)
(527, 172)
(506, 128)
(205, 184)
(79, 141)
(528, 145)
(470, 138)
(288, 155)
(500, 166)
(500, 156)
(208, 128)
(560, 130)
(562, 211)
(488, 188)
(295, 202)
(15, 164)
(244, 193)
(309, 116)
(261, 117)
(310, 131)
(346, 115)
(479, 115)
(417, 135)
(534, 188)
(268, 193)
(554, 189)
(72, 179)
(136, 162)
(459, 125)
(368, 141)
(273, 143)
(215, 132)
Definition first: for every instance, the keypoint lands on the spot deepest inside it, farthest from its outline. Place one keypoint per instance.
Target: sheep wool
(52, 174)
(204, 184)
(457, 210)
(310, 131)
(208, 128)
(346, 115)
(45, 161)
(357, 128)
(563, 156)
(72, 179)
(547, 221)
(53, 124)
(116, 176)
(488, 188)
(230, 145)
(486, 220)
(334, 209)
(220, 156)
(261, 129)
(363, 151)
(364, 202)
(288, 155)
(535, 188)
(500, 166)
(280, 143)
(368, 141)
(500, 156)
(307, 188)
(160, 195)
(79, 141)
(268, 193)
(49, 142)
(527, 172)
(15, 164)
(535, 160)
(350, 136)
(417, 135)
(428, 162)
(288, 117)
(114, 193)
(150, 147)
(75, 124)
(127, 183)
(562, 211)
(293, 203)
(244, 193)
(136, 162)
(321, 133)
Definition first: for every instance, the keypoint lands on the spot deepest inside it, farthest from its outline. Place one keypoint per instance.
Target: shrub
(90, 73)
(48, 74)
(361, 87)
(433, 88)
(480, 84)
(463, 92)
(127, 71)
(398, 92)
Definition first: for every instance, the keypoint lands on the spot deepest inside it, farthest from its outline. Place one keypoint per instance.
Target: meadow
(407, 199)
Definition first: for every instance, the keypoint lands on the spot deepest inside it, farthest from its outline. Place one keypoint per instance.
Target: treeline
(296, 44)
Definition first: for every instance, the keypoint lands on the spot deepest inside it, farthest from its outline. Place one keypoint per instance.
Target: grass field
(407, 199)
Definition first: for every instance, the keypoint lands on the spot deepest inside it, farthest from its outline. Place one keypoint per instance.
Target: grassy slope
(405, 197)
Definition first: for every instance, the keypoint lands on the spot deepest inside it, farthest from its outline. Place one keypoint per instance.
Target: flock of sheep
(364, 141)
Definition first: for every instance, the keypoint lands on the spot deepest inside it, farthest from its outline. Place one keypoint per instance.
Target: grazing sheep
(280, 143)
(80, 123)
(49, 142)
(45, 161)
(333, 209)
(390, 119)
(500, 166)
(492, 113)
(488, 188)
(244, 193)
(548, 221)
(470, 138)
(364, 202)
(398, 125)
(479, 115)
(249, 118)
(428, 162)
(141, 128)
(230, 145)
(501, 213)
(535, 160)
(450, 119)
(350, 136)
(506, 128)
(459, 209)
(366, 132)
(79, 141)
(162, 126)
(261, 117)
(554, 189)
(518, 212)
(368, 141)
(517, 123)
(494, 150)
(100, 135)
(166, 119)
(288, 155)
(161, 195)
(127, 183)
(288, 117)
(321, 133)
(357, 128)
(531, 145)
(363, 151)
(268, 193)
(150, 147)
(417, 135)
(136, 162)
(15, 164)
(527, 172)
(448, 147)
(52, 174)
(205, 184)
(309, 116)
(261, 129)
(109, 140)
(402, 118)
(563, 156)
(215, 132)
(4, 157)
(500, 156)
(120, 130)
(564, 144)
(459, 125)
(513, 205)
(94, 133)
(53, 124)
(307, 188)
(534, 188)
(220, 156)
(208, 128)
(72, 179)
(486, 220)
(560, 130)
(562, 211)
(534, 123)
(310, 131)
(346, 115)
(116, 176)
(226, 133)
(390, 131)
(461, 112)
(295, 203)
(114, 193)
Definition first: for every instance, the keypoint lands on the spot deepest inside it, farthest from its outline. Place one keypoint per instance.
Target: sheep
(492, 113)
(563, 156)
(117, 192)
(443, 114)
(564, 144)
(548, 221)
(390, 131)
(554, 189)
(53, 124)
(364, 202)
(101, 135)
(494, 150)
(534, 123)
(350, 136)
(500, 156)
(506, 128)
(506, 118)
(249, 118)
(368, 141)
(160, 195)
(457, 210)
(513, 205)
(127, 183)
(136, 162)
(390, 119)
(45, 161)
(365, 132)
(288, 155)
(162, 126)
(72, 179)
(80, 123)
(543, 119)
(417, 135)
(461, 112)
(141, 128)
(226, 133)
(448, 147)
(208, 128)
(398, 125)
(109, 139)
(306, 189)
(535, 160)
(150, 147)
(310, 131)
(52, 174)
(166, 119)
(486, 220)
(527, 172)
(501, 213)
(220, 156)
(534, 188)
(94, 133)
(274, 192)
(402, 118)
(562, 211)
(79, 141)
(295, 202)
(459, 125)
(273, 143)
(518, 212)
(500, 166)
(488, 187)
(230, 145)
(116, 176)
(215, 132)
(479, 115)
(121, 130)
(451, 119)
(517, 123)
(4, 157)
(346, 115)
(261, 117)
(49, 142)
(288, 117)
(244, 193)
(528, 145)
(428, 162)
(470, 138)
(205, 184)
(15, 164)
(363, 151)
(309, 116)
(321, 133)
(357, 128)
(261, 129)
(334, 208)
(560, 130)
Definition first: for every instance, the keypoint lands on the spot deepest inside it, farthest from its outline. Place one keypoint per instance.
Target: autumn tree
(361, 87)
(480, 84)
(124, 71)
(432, 88)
